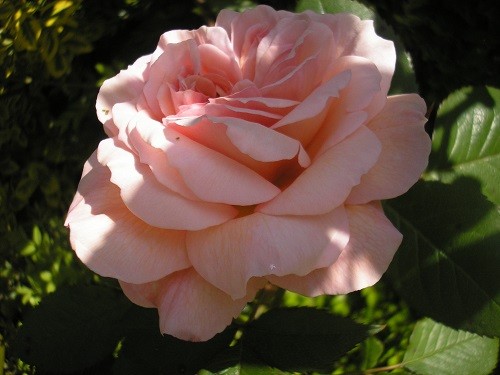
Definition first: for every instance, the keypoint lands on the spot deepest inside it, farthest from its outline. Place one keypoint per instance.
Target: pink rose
(250, 152)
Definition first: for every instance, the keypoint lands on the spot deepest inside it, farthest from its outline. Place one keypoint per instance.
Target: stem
(375, 370)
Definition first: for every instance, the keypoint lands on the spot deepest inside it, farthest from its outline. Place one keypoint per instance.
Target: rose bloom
(254, 151)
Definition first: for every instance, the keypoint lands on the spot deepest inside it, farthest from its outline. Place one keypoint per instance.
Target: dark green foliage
(448, 265)
(453, 43)
(303, 339)
(72, 329)
(145, 350)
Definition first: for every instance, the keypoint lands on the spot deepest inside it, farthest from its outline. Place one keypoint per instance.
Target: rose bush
(250, 152)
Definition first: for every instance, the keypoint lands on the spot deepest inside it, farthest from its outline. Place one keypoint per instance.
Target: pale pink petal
(190, 308)
(124, 118)
(337, 126)
(211, 176)
(259, 148)
(358, 38)
(262, 117)
(330, 178)
(237, 25)
(210, 35)
(372, 245)
(272, 104)
(261, 143)
(156, 159)
(257, 245)
(296, 84)
(349, 112)
(273, 48)
(213, 135)
(303, 122)
(113, 242)
(296, 49)
(126, 86)
(364, 84)
(151, 201)
(178, 60)
(220, 62)
(405, 150)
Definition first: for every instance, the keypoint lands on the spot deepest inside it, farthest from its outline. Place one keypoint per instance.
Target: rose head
(250, 152)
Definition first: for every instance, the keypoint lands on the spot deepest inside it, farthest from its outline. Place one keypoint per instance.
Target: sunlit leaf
(437, 349)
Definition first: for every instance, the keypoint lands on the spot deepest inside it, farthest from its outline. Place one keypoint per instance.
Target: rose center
(210, 85)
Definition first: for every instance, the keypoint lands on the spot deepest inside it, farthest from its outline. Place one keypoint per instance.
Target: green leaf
(239, 360)
(303, 339)
(371, 350)
(467, 139)
(337, 6)
(448, 265)
(146, 351)
(72, 329)
(437, 349)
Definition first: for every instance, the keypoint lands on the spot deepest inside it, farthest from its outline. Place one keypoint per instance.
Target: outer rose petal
(371, 247)
(126, 86)
(405, 150)
(189, 307)
(113, 242)
(151, 201)
(229, 255)
(329, 180)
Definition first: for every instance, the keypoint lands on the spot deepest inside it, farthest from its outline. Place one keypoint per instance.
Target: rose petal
(210, 175)
(358, 38)
(261, 143)
(126, 86)
(349, 112)
(152, 202)
(371, 247)
(189, 307)
(157, 160)
(405, 150)
(364, 84)
(303, 122)
(229, 255)
(113, 242)
(330, 178)
(239, 25)
(259, 148)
